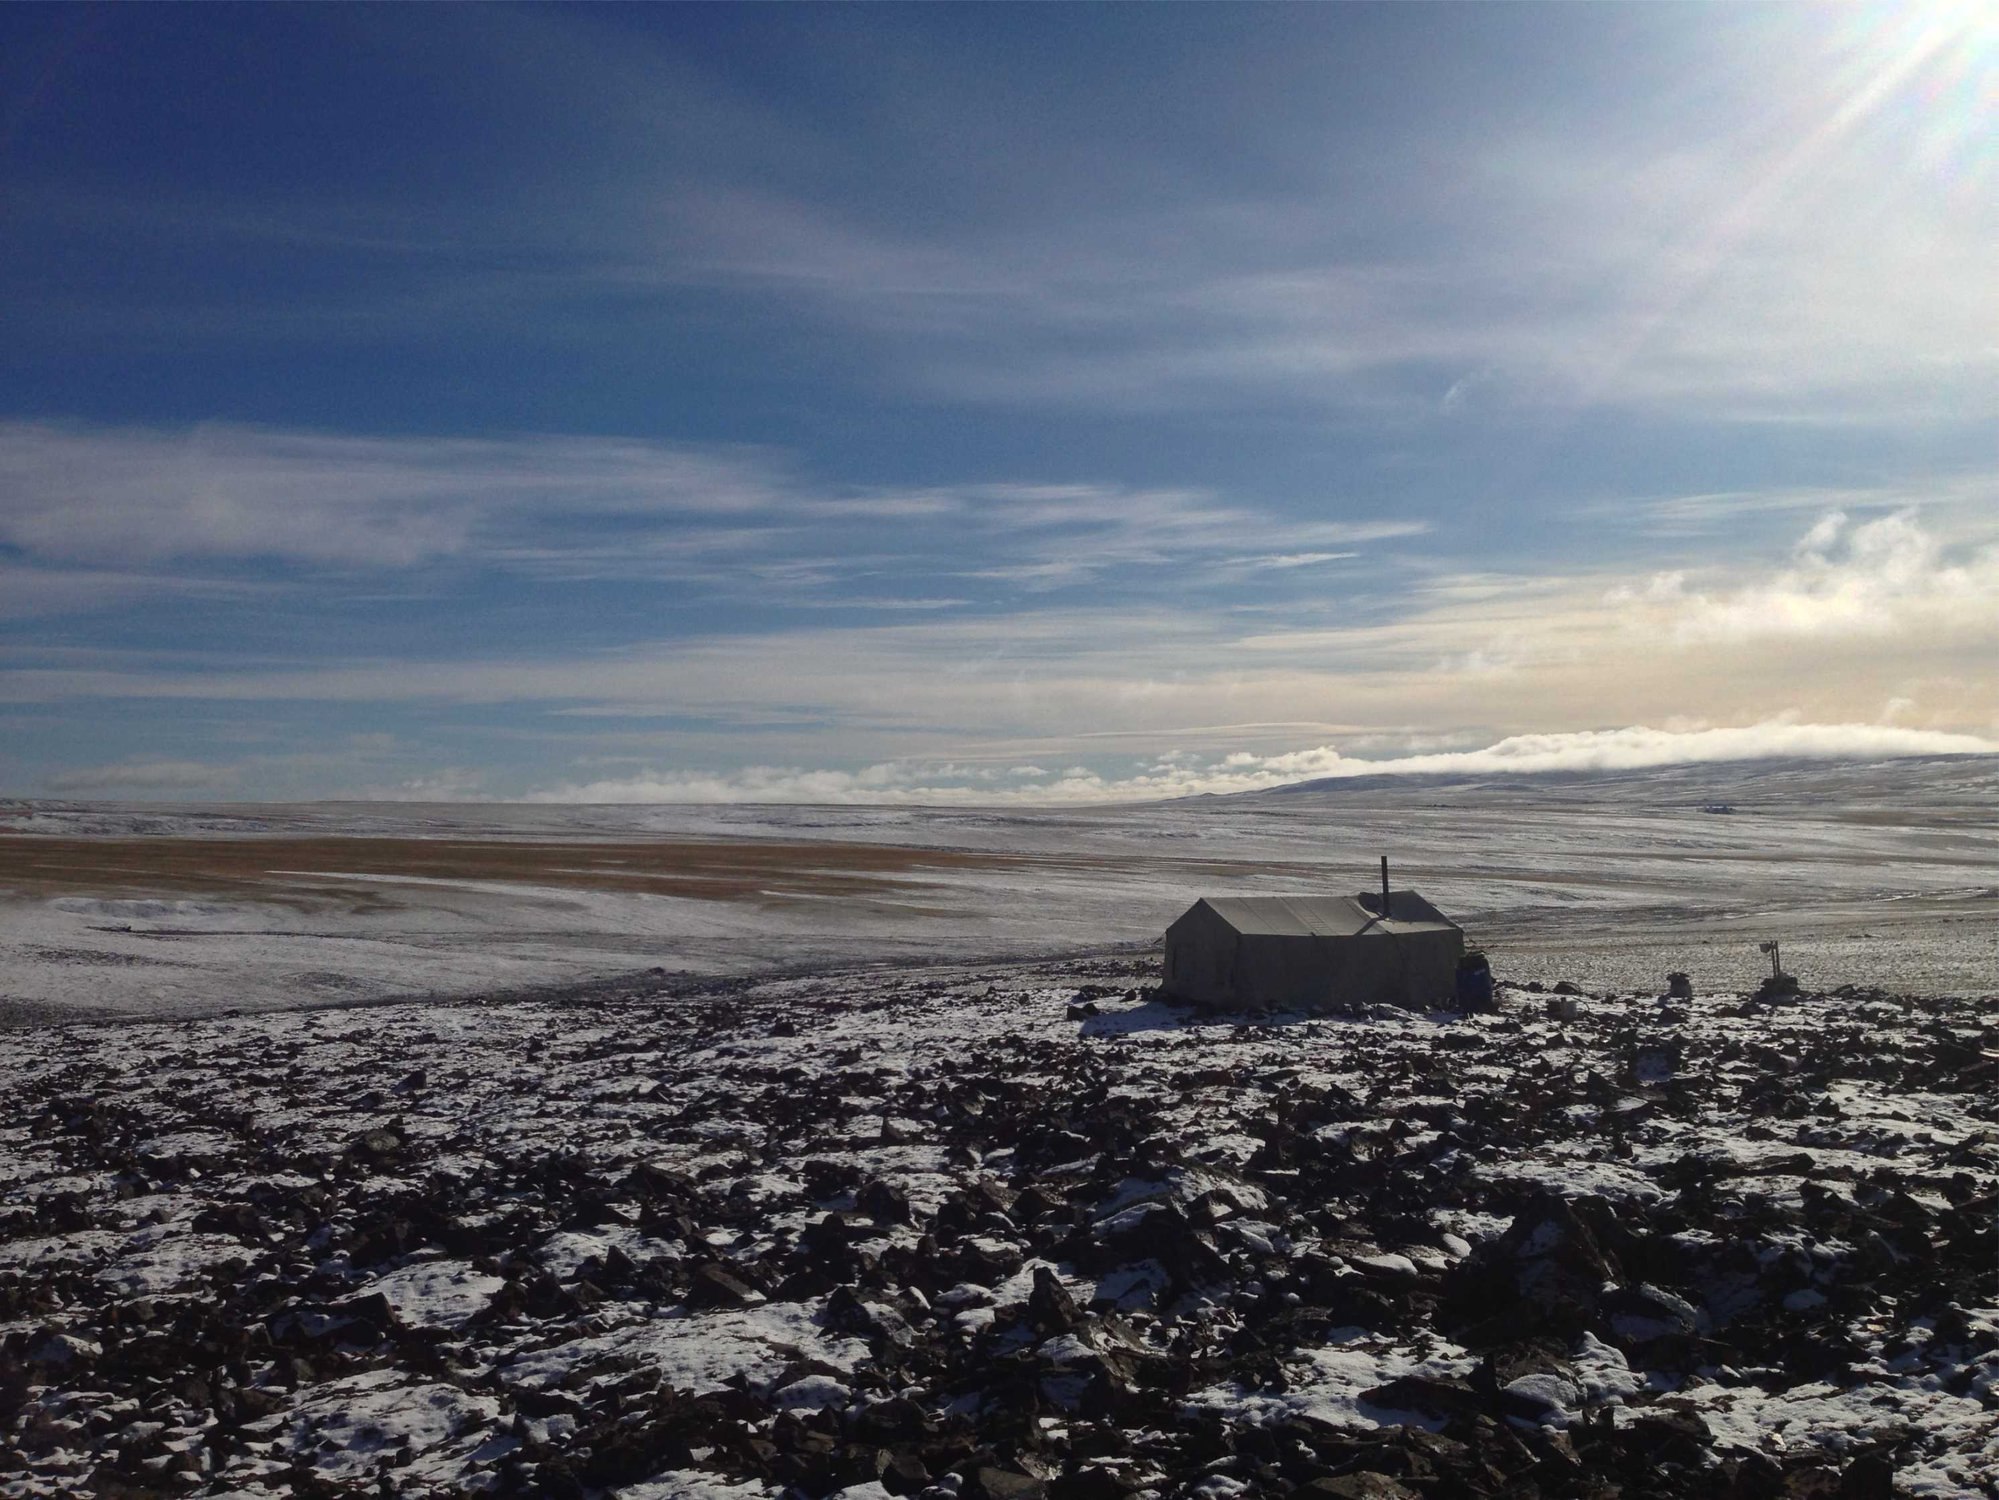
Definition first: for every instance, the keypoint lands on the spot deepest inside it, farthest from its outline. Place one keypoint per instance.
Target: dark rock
(986, 1483)
(883, 1202)
(373, 1309)
(897, 1420)
(1089, 1482)
(1543, 1275)
(1360, 1486)
(1432, 1397)
(1813, 1477)
(1668, 1437)
(1034, 1205)
(1871, 1476)
(1050, 1308)
(828, 1236)
(379, 1144)
(1350, 1300)
(1161, 1232)
(830, 1179)
(904, 1474)
(1644, 1315)
(715, 1285)
(848, 1311)
(238, 1219)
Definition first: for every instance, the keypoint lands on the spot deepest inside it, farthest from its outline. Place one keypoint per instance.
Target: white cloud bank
(1185, 775)
(1886, 577)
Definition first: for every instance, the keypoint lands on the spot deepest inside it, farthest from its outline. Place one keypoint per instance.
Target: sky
(988, 403)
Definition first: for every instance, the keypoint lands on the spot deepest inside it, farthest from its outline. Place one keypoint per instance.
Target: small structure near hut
(1313, 952)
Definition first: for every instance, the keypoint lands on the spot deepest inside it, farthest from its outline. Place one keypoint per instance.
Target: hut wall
(1285, 973)
(1209, 963)
(1403, 968)
(1201, 958)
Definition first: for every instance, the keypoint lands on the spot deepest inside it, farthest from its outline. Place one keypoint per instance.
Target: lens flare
(1911, 89)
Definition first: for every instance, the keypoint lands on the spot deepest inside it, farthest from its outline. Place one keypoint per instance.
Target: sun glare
(1929, 72)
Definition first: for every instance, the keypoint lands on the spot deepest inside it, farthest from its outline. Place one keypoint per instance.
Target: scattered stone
(601, 1246)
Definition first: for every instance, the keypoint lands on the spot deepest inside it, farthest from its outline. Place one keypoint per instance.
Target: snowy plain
(1883, 874)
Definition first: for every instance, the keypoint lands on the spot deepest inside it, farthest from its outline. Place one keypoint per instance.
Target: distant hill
(1970, 780)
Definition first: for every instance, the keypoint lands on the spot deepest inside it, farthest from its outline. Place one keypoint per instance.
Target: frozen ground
(827, 1189)
(1012, 1232)
(1880, 874)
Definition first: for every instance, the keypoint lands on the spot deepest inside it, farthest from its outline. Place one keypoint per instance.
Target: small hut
(1313, 952)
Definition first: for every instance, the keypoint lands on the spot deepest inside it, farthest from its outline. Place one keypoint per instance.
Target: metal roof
(1328, 916)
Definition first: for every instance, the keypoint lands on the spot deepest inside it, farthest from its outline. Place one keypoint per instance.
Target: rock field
(999, 1234)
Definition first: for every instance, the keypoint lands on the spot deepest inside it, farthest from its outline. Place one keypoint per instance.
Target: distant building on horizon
(1311, 952)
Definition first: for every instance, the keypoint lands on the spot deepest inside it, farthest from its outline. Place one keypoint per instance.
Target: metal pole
(1384, 888)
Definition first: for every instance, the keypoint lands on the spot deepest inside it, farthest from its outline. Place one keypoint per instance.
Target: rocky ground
(999, 1234)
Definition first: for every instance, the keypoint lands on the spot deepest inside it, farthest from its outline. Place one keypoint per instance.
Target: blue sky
(986, 402)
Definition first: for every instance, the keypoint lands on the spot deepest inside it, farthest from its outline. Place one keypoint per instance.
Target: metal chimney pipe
(1384, 888)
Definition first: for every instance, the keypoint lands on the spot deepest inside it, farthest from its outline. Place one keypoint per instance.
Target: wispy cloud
(1294, 560)
(1507, 652)
(98, 513)
(140, 495)
(1817, 248)
(1954, 504)
(28, 591)
(139, 778)
(376, 767)
(1470, 657)
(1681, 283)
